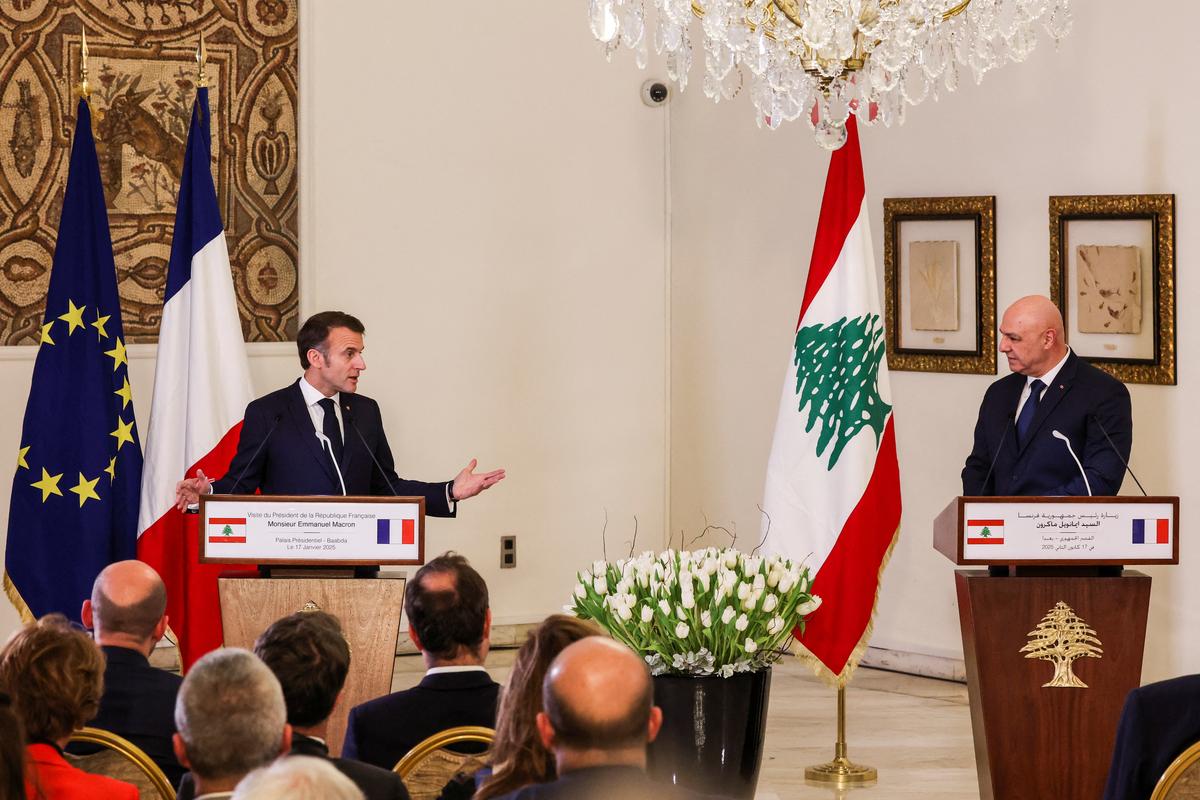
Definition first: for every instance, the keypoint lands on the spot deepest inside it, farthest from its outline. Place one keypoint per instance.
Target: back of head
(447, 605)
(128, 598)
(12, 751)
(598, 697)
(230, 714)
(55, 676)
(517, 754)
(310, 657)
(297, 778)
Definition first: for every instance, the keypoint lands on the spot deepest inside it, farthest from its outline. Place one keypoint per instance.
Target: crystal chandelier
(822, 60)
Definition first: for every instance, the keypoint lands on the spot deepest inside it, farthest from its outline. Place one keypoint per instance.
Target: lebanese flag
(201, 388)
(832, 495)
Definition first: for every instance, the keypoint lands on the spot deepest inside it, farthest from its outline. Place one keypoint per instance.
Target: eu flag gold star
(86, 489)
(48, 484)
(73, 317)
(99, 325)
(21, 462)
(125, 393)
(46, 334)
(112, 469)
(118, 355)
(124, 433)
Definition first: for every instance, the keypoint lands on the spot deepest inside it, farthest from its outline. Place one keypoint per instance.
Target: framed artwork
(1112, 274)
(939, 277)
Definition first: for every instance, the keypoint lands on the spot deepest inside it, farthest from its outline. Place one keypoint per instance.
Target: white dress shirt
(1047, 379)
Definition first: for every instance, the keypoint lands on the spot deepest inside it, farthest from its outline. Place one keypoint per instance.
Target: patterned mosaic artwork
(142, 70)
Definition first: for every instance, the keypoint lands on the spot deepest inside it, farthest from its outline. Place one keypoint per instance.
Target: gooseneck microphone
(1012, 420)
(349, 417)
(1071, 450)
(257, 450)
(1108, 438)
(328, 446)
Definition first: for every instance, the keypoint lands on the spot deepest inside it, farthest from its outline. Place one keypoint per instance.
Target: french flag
(201, 388)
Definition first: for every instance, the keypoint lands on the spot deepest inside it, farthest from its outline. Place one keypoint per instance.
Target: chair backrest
(430, 765)
(1181, 781)
(123, 760)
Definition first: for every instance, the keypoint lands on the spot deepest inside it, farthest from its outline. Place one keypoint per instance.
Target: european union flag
(74, 502)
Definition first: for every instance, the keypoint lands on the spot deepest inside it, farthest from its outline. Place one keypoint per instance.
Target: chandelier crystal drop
(822, 60)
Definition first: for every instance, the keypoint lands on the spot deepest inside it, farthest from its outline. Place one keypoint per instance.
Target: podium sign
(1059, 530)
(334, 531)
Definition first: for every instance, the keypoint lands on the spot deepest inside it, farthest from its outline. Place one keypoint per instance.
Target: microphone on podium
(1071, 450)
(1012, 420)
(1108, 439)
(349, 416)
(274, 424)
(328, 445)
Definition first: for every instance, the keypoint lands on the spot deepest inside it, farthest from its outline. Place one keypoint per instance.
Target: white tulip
(727, 614)
(689, 600)
(599, 567)
(647, 613)
(580, 591)
(808, 607)
(706, 618)
(624, 613)
(664, 606)
(773, 578)
(785, 584)
(760, 582)
(682, 630)
(743, 590)
(679, 612)
(742, 623)
(702, 579)
(770, 602)
(775, 625)
(600, 584)
(751, 645)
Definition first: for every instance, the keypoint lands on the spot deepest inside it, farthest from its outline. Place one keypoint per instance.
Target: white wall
(1077, 120)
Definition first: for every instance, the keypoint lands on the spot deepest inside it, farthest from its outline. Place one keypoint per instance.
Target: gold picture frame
(946, 321)
(1138, 230)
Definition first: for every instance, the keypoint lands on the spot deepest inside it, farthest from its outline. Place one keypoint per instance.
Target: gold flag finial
(84, 90)
(201, 60)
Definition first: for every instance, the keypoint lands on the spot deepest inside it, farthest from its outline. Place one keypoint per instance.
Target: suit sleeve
(1103, 466)
(1125, 773)
(250, 460)
(350, 743)
(435, 494)
(976, 468)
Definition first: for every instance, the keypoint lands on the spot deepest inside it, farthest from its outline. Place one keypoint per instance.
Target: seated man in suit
(319, 437)
(1052, 394)
(309, 656)
(449, 621)
(1159, 721)
(599, 716)
(231, 720)
(127, 613)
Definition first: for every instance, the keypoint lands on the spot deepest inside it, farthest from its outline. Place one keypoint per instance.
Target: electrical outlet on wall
(508, 552)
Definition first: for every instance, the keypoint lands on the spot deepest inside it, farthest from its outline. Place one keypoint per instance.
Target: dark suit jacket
(138, 704)
(1159, 721)
(381, 731)
(1080, 396)
(293, 461)
(603, 783)
(49, 775)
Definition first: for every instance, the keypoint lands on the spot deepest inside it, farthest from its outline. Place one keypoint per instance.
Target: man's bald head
(1032, 335)
(598, 696)
(128, 600)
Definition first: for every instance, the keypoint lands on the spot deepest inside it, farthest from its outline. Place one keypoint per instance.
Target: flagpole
(841, 770)
(201, 60)
(84, 90)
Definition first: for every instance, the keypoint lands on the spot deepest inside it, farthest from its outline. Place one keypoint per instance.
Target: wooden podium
(1053, 645)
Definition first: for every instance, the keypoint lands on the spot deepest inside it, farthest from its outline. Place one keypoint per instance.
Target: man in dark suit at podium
(1054, 408)
(318, 437)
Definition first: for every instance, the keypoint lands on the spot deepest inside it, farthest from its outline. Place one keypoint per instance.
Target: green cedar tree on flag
(832, 494)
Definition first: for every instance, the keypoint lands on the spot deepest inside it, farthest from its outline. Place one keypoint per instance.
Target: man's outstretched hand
(468, 483)
(188, 490)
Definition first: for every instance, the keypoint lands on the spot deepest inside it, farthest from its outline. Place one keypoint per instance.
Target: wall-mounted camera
(655, 93)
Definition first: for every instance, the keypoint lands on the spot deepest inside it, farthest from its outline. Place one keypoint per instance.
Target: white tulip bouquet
(701, 612)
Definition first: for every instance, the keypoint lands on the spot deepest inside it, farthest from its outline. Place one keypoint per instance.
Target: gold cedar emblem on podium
(1060, 638)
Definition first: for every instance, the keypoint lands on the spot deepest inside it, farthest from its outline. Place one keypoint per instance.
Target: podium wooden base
(1037, 741)
(369, 611)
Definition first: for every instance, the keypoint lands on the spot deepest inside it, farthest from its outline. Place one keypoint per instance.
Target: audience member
(231, 720)
(1159, 721)
(55, 675)
(310, 657)
(12, 752)
(450, 622)
(517, 755)
(599, 716)
(128, 614)
(297, 778)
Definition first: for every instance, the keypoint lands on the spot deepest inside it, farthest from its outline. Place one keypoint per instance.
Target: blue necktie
(331, 428)
(1029, 410)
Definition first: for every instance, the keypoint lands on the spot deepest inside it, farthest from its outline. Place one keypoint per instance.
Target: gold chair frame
(1178, 768)
(131, 752)
(459, 735)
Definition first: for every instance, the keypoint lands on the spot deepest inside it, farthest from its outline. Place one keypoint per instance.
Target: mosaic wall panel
(142, 69)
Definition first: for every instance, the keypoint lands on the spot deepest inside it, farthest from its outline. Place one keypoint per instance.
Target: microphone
(350, 418)
(1108, 438)
(328, 445)
(257, 450)
(1071, 450)
(1011, 421)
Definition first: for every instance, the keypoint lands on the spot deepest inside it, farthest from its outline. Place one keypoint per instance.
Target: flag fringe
(18, 602)
(840, 680)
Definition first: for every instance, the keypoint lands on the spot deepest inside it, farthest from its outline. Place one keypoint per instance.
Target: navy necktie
(331, 428)
(1029, 410)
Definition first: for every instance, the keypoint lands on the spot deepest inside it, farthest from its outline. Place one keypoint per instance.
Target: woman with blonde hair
(517, 755)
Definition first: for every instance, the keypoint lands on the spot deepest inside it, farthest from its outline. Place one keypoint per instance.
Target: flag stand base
(841, 770)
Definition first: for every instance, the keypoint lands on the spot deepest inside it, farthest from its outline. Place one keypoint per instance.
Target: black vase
(712, 733)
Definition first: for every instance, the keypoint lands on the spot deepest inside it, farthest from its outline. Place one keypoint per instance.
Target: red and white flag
(832, 495)
(201, 388)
